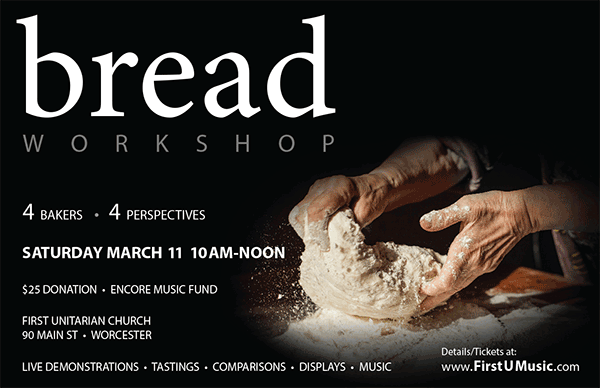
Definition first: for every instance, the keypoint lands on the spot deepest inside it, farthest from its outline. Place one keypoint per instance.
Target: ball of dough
(379, 281)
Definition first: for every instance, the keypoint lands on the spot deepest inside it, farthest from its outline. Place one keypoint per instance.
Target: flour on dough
(379, 281)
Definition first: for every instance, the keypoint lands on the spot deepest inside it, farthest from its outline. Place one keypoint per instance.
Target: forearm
(419, 169)
(416, 170)
(566, 206)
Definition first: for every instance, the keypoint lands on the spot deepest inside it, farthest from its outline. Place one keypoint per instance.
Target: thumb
(441, 284)
(441, 219)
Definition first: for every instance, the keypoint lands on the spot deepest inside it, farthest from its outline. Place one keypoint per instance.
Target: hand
(364, 194)
(492, 223)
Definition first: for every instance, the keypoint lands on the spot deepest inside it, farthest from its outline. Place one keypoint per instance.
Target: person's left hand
(491, 225)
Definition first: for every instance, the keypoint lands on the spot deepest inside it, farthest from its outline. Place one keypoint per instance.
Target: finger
(442, 283)
(433, 301)
(450, 277)
(319, 214)
(295, 219)
(364, 213)
(317, 222)
(329, 198)
(441, 219)
(317, 232)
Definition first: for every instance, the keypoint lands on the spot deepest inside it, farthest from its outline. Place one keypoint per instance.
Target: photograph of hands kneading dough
(401, 303)
(491, 223)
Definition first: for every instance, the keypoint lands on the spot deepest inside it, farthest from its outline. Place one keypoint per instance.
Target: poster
(152, 151)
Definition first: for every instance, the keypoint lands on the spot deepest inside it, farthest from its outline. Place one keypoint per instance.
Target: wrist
(396, 189)
(374, 185)
(420, 169)
(393, 185)
(566, 206)
(526, 219)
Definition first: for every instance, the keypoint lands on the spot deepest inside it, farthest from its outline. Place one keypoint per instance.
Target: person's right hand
(364, 194)
(491, 224)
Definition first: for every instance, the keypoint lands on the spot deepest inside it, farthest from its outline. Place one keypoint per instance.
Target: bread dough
(379, 281)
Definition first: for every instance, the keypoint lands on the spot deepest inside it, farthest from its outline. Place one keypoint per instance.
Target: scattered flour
(379, 281)
(506, 297)
(331, 335)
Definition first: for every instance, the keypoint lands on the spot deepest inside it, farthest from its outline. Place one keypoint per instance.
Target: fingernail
(429, 216)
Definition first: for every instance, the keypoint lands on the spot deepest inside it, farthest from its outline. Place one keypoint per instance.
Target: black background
(520, 76)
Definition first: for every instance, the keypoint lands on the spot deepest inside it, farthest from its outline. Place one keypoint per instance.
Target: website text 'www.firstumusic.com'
(509, 366)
